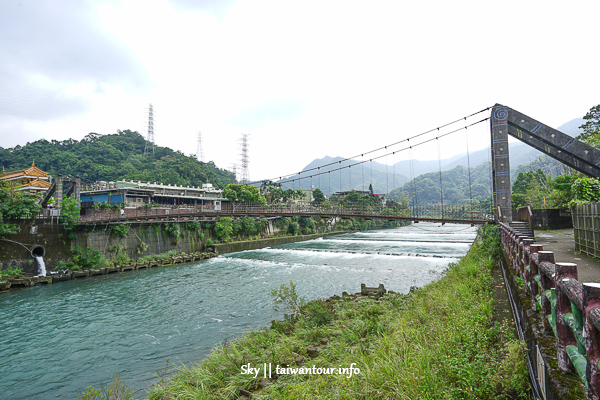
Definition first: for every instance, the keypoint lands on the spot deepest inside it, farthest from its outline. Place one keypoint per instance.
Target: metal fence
(586, 226)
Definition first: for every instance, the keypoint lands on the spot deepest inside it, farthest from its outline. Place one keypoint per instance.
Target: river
(57, 339)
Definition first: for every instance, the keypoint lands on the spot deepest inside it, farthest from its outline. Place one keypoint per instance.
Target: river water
(57, 339)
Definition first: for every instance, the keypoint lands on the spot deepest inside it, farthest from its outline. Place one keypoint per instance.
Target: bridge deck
(450, 214)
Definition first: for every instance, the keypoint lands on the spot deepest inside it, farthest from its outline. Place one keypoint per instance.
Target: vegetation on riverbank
(436, 342)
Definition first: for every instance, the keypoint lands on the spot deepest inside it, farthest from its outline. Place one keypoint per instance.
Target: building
(138, 194)
(32, 179)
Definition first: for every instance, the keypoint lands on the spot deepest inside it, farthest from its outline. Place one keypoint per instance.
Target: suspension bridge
(503, 121)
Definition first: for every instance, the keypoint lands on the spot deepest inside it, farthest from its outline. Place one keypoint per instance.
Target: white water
(39, 261)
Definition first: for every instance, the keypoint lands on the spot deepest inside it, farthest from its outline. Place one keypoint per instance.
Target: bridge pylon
(505, 121)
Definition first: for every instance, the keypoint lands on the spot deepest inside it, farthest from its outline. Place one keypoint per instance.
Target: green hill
(114, 157)
(455, 183)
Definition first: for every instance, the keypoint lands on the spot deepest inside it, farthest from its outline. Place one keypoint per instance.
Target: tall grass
(437, 342)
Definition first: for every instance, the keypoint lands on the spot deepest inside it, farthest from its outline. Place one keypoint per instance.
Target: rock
(82, 273)
(263, 383)
(299, 360)
(313, 351)
(61, 277)
(244, 392)
(372, 292)
(324, 340)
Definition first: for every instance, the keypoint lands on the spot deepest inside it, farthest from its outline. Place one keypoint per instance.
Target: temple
(32, 179)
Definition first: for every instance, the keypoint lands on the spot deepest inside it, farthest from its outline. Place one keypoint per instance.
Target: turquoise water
(57, 339)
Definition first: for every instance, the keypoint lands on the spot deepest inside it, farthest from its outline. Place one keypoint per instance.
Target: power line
(374, 158)
(384, 147)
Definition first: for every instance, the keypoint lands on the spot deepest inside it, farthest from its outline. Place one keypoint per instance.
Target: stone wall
(34, 232)
(142, 238)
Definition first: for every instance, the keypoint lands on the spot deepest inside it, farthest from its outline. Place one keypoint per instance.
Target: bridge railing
(570, 309)
(420, 212)
(525, 214)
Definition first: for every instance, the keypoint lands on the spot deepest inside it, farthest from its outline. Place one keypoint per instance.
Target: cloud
(57, 59)
(276, 110)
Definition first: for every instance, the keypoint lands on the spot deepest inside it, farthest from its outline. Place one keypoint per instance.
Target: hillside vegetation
(455, 182)
(114, 157)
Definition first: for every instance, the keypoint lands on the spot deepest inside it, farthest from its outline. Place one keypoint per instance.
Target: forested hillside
(356, 178)
(114, 157)
(455, 184)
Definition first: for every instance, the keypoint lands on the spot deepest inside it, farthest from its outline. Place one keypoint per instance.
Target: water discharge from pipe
(41, 266)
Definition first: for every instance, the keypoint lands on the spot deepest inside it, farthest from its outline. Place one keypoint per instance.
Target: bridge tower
(505, 121)
(501, 163)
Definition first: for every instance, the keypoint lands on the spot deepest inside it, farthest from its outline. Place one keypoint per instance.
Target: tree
(240, 192)
(585, 190)
(318, 196)
(591, 129)
(272, 191)
(224, 228)
(15, 204)
(533, 188)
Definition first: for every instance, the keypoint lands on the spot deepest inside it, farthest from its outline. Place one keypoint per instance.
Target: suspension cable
(384, 155)
(441, 184)
(469, 169)
(395, 143)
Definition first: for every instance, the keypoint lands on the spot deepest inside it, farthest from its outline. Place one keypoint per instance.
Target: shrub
(120, 230)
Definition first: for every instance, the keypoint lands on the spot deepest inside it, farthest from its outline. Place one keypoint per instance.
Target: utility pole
(234, 169)
(150, 138)
(199, 150)
(244, 154)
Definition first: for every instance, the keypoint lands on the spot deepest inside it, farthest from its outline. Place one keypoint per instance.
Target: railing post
(534, 271)
(547, 284)
(591, 300)
(526, 267)
(564, 334)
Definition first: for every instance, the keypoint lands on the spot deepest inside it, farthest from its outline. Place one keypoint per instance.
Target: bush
(120, 230)
(286, 299)
(11, 272)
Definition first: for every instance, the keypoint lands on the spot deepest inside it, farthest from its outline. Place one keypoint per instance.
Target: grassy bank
(437, 342)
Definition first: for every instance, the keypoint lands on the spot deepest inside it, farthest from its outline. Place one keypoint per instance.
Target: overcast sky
(304, 79)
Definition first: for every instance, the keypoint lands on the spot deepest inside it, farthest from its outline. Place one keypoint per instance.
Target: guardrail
(570, 309)
(525, 214)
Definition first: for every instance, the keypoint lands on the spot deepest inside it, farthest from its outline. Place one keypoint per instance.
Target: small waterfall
(41, 266)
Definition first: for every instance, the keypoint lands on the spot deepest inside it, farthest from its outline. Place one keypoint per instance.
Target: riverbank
(440, 341)
(9, 283)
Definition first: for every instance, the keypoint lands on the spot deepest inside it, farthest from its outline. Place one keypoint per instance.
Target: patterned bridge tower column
(77, 191)
(58, 193)
(500, 162)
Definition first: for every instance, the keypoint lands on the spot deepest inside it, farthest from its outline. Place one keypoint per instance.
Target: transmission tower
(199, 151)
(150, 138)
(234, 169)
(245, 174)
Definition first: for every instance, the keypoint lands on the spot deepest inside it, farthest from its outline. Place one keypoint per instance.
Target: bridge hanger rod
(379, 149)
(378, 157)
